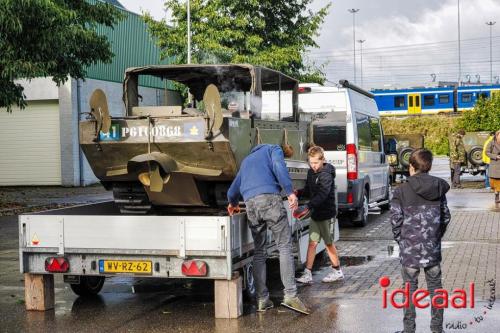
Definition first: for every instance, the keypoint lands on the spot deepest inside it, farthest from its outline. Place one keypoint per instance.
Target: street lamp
(353, 11)
(491, 23)
(361, 41)
(188, 33)
(459, 53)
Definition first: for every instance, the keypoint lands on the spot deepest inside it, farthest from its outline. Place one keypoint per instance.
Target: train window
(410, 101)
(417, 101)
(428, 100)
(444, 99)
(466, 97)
(483, 95)
(399, 101)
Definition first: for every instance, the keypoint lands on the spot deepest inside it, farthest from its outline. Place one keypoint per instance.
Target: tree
(41, 38)
(271, 33)
(484, 117)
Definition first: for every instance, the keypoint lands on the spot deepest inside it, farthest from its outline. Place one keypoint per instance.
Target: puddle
(355, 260)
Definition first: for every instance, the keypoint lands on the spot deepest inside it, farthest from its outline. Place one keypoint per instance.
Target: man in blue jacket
(262, 176)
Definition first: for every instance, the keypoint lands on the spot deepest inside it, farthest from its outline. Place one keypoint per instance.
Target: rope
(257, 136)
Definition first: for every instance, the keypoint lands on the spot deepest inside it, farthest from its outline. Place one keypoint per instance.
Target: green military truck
(398, 150)
(473, 142)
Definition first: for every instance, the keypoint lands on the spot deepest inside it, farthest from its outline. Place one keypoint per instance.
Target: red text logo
(442, 299)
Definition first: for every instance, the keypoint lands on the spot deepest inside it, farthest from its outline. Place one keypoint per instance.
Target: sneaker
(334, 275)
(306, 277)
(295, 304)
(264, 304)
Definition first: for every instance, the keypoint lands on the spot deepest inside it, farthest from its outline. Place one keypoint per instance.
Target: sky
(405, 42)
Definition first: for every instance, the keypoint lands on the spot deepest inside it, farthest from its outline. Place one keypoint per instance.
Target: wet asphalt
(146, 305)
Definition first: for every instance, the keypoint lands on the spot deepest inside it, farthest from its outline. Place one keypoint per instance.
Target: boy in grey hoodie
(419, 217)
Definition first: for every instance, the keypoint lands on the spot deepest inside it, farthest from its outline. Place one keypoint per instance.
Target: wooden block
(39, 291)
(228, 298)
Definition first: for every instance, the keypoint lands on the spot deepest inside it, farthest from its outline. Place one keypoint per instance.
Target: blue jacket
(263, 171)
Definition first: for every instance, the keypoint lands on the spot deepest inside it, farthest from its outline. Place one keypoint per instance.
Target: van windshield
(331, 136)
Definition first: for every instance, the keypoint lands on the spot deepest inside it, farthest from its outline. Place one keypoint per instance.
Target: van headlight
(392, 159)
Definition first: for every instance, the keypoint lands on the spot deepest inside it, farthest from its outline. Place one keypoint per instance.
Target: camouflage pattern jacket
(419, 217)
(457, 150)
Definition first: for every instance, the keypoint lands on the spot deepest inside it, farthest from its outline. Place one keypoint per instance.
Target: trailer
(89, 243)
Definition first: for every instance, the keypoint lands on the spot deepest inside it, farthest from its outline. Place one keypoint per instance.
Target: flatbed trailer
(92, 242)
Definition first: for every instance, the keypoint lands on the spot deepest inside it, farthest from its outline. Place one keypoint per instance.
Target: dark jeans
(487, 176)
(433, 280)
(265, 211)
(456, 174)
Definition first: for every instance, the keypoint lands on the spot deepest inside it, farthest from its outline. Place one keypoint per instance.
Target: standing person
(457, 158)
(493, 152)
(486, 161)
(419, 217)
(260, 180)
(320, 188)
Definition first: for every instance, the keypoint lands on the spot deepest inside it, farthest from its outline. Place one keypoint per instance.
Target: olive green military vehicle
(473, 142)
(173, 156)
(398, 150)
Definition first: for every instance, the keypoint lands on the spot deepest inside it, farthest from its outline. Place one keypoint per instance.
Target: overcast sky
(405, 41)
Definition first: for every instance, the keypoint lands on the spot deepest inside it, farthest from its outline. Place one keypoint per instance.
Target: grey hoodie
(419, 217)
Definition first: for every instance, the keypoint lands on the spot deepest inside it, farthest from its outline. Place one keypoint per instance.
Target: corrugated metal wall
(133, 46)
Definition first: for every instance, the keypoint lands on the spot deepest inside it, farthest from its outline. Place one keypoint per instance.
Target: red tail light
(56, 265)
(194, 268)
(303, 90)
(352, 162)
(349, 197)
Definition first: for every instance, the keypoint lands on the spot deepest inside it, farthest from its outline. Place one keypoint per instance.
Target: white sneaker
(334, 275)
(306, 277)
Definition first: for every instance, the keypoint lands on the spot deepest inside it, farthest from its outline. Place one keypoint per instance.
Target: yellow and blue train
(431, 100)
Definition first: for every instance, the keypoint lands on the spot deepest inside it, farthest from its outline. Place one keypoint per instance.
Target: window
(428, 100)
(330, 136)
(466, 97)
(277, 105)
(364, 133)
(410, 101)
(399, 101)
(483, 95)
(417, 101)
(376, 135)
(444, 99)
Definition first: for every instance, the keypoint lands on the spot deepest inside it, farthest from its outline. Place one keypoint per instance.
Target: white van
(346, 123)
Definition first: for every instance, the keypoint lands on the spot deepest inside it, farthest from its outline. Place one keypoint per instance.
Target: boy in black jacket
(419, 217)
(320, 188)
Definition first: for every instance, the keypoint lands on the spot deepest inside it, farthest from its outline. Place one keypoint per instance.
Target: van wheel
(388, 197)
(88, 286)
(362, 218)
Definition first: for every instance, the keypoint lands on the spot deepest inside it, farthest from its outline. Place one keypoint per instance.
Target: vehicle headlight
(392, 159)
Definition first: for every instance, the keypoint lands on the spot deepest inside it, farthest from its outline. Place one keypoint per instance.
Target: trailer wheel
(250, 291)
(88, 286)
